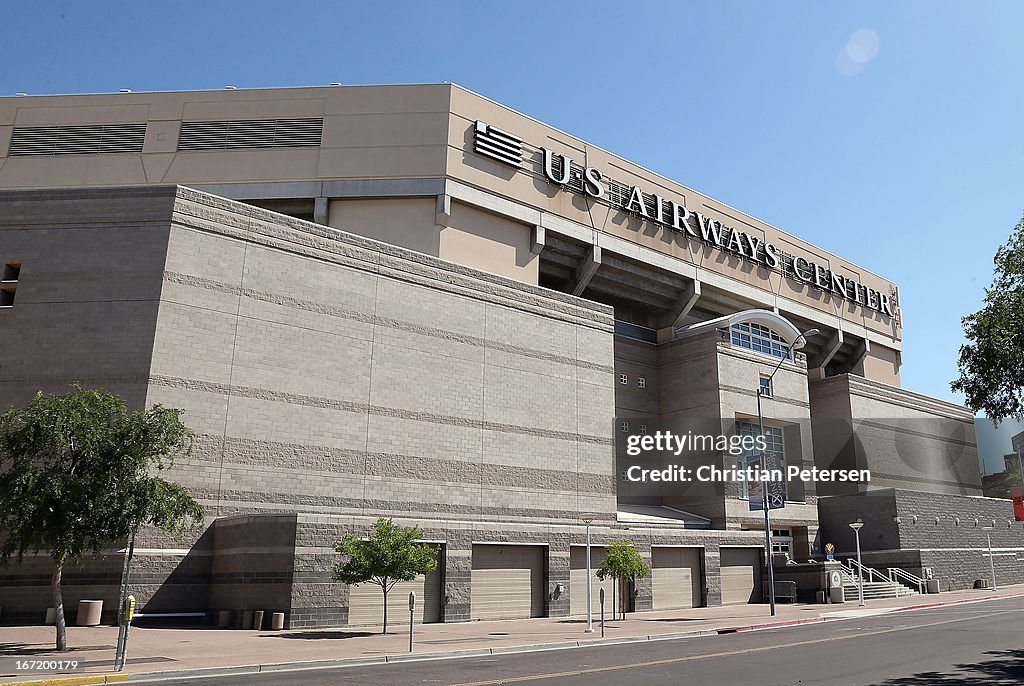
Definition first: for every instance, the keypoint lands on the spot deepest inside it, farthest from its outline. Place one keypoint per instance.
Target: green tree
(622, 561)
(992, 361)
(77, 476)
(391, 554)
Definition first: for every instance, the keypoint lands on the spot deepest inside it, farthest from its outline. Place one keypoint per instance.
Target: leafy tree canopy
(992, 361)
(391, 554)
(76, 475)
(622, 561)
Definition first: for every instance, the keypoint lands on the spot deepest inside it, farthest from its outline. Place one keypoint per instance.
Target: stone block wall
(916, 530)
(327, 372)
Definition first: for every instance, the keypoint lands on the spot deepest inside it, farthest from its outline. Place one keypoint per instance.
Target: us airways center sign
(590, 182)
(560, 169)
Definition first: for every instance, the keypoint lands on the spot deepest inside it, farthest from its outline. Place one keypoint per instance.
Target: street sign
(1017, 493)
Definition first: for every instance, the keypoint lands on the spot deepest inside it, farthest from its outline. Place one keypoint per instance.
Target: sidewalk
(161, 652)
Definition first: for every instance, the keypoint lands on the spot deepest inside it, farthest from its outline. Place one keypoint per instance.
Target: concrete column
(644, 586)
(322, 211)
(458, 567)
(712, 573)
(558, 573)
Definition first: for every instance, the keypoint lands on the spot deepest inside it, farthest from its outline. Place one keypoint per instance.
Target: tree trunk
(58, 608)
(385, 611)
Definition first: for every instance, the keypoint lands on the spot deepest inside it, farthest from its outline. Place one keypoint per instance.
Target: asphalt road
(978, 643)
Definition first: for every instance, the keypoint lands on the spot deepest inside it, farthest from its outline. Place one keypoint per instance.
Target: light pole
(860, 567)
(801, 339)
(590, 610)
(991, 561)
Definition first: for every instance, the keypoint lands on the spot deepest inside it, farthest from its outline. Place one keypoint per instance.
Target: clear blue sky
(890, 133)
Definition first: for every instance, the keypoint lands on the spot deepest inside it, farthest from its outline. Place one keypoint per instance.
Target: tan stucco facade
(398, 163)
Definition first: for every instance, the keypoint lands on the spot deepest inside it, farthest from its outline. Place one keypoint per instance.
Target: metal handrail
(895, 573)
(864, 569)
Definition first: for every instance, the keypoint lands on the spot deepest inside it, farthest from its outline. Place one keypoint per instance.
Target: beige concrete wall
(490, 243)
(530, 186)
(369, 132)
(407, 222)
(409, 132)
(880, 364)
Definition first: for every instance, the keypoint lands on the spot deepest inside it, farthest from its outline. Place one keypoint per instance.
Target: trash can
(224, 618)
(51, 616)
(277, 621)
(89, 612)
(257, 620)
(931, 586)
(836, 595)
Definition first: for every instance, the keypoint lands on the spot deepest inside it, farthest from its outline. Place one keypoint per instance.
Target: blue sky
(887, 132)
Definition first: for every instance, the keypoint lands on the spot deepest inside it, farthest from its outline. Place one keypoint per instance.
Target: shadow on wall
(184, 588)
(1006, 668)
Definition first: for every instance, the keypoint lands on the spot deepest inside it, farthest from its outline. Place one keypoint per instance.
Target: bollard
(257, 620)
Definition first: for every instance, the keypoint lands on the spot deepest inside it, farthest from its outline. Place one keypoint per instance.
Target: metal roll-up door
(741, 575)
(366, 602)
(676, 581)
(507, 582)
(578, 581)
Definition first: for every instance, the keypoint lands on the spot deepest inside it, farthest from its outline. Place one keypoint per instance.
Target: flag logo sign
(497, 144)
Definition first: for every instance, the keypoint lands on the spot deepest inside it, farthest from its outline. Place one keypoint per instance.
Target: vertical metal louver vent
(251, 133)
(88, 139)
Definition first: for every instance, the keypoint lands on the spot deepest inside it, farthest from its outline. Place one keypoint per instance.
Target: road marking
(729, 653)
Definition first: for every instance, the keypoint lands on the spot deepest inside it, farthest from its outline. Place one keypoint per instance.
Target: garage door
(578, 581)
(676, 581)
(366, 602)
(741, 575)
(507, 582)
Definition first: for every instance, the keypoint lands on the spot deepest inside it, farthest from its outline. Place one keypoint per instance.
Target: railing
(855, 567)
(900, 576)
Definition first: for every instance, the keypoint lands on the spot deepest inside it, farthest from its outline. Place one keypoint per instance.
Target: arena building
(414, 302)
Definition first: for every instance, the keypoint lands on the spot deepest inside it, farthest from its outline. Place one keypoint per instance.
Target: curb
(770, 625)
(955, 602)
(71, 680)
(200, 672)
(143, 677)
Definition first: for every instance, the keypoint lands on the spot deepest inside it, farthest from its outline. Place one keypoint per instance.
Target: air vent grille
(251, 133)
(88, 139)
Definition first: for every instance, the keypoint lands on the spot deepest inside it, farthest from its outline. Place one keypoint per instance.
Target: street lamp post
(860, 567)
(991, 560)
(801, 339)
(590, 610)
